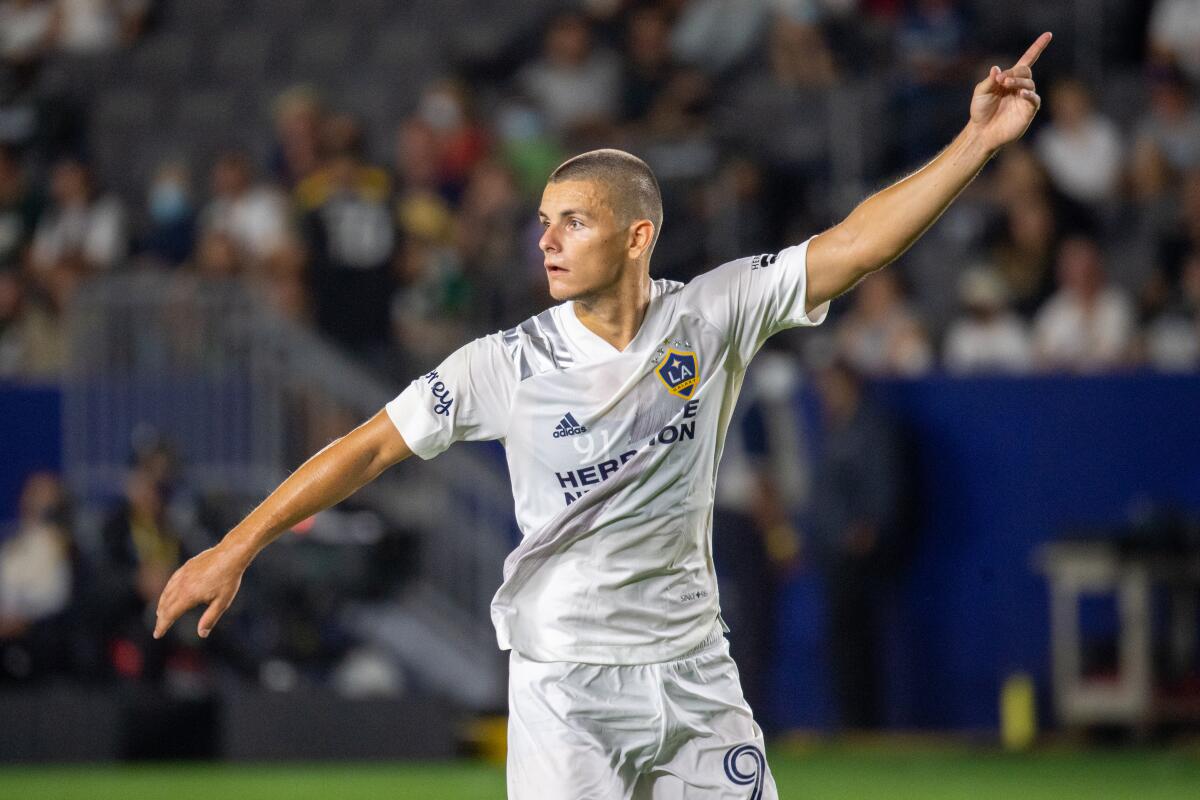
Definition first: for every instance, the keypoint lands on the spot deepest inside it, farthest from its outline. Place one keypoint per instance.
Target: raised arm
(886, 224)
(328, 477)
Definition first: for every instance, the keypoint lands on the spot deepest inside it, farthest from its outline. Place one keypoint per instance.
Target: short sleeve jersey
(613, 457)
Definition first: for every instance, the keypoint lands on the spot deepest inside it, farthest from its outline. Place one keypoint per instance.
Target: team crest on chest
(679, 370)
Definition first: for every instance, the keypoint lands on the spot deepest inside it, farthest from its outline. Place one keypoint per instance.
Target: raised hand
(1006, 101)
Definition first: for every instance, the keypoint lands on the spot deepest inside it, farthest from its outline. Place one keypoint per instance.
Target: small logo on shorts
(746, 766)
(568, 426)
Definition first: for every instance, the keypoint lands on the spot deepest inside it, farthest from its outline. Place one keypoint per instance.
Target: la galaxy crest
(679, 370)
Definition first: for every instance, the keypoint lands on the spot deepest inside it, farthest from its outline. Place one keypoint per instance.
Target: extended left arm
(887, 223)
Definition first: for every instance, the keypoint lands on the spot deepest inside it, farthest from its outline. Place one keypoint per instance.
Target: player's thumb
(991, 81)
(213, 613)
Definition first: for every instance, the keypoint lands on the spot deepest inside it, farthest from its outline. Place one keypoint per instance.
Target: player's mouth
(554, 269)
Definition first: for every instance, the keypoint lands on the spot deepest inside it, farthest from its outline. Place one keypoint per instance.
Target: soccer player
(613, 407)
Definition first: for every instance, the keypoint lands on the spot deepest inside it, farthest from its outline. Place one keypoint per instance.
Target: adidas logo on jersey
(568, 426)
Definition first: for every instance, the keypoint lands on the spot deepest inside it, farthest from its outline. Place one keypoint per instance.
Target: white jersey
(613, 457)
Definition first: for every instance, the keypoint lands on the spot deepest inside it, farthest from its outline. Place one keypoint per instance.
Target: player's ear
(641, 236)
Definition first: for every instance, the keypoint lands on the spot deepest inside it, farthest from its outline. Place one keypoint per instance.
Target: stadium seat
(124, 108)
(321, 52)
(242, 55)
(194, 15)
(162, 60)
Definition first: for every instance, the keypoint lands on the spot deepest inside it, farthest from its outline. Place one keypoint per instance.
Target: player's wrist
(977, 143)
(238, 549)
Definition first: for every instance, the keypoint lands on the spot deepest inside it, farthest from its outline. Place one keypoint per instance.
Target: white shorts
(674, 731)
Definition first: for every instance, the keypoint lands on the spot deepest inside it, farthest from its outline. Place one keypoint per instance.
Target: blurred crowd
(1078, 250)
(79, 590)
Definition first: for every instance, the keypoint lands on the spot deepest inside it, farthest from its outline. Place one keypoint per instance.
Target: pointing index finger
(1035, 49)
(168, 612)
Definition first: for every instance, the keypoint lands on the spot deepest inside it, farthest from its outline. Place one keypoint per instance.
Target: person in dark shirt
(347, 223)
(853, 526)
(20, 208)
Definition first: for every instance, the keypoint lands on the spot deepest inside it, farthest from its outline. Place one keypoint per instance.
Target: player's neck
(616, 315)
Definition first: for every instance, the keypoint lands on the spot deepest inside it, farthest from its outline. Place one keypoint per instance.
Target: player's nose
(549, 241)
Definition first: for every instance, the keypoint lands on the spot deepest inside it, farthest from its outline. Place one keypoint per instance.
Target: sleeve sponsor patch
(764, 260)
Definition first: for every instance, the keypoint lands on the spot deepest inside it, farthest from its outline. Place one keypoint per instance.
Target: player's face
(583, 246)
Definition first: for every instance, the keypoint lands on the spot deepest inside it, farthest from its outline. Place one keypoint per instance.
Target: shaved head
(631, 187)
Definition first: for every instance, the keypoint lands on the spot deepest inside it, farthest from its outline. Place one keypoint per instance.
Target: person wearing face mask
(460, 142)
(171, 232)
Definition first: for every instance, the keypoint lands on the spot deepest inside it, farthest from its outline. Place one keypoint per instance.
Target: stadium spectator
(255, 215)
(416, 158)
(460, 142)
(1182, 237)
(575, 85)
(756, 546)
(1080, 148)
(298, 116)
(12, 337)
(346, 220)
(1173, 124)
(662, 98)
(436, 149)
(1147, 220)
(432, 303)
(880, 335)
(852, 532)
(932, 50)
(648, 66)
(1172, 338)
(37, 582)
(96, 26)
(792, 88)
(718, 35)
(1153, 201)
(1019, 176)
(30, 336)
(426, 219)
(171, 232)
(1023, 253)
(40, 125)
(142, 546)
(218, 256)
(988, 337)
(26, 30)
(487, 231)
(282, 281)
(736, 210)
(1175, 35)
(81, 228)
(20, 208)
(1088, 325)
(526, 146)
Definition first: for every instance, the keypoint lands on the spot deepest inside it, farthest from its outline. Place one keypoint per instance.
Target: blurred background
(966, 510)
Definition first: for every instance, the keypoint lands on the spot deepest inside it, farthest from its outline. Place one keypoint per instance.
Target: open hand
(212, 577)
(1006, 101)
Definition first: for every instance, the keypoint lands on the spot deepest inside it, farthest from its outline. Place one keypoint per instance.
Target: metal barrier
(244, 396)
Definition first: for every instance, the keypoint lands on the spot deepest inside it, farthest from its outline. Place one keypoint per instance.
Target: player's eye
(574, 224)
